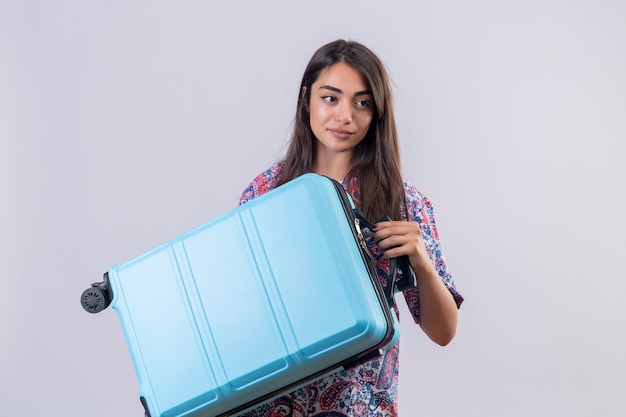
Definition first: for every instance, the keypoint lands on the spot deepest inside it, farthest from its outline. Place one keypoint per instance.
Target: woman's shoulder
(414, 196)
(262, 183)
(420, 209)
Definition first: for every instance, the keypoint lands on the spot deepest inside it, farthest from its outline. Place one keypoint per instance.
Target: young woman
(345, 129)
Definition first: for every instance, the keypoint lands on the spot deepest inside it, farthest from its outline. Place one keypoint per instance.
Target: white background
(125, 123)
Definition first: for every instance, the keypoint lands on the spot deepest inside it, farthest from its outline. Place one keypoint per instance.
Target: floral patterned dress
(370, 389)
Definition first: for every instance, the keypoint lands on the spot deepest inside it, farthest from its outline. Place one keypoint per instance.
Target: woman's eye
(363, 103)
(329, 99)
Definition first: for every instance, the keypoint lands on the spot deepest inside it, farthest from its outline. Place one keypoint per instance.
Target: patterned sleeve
(420, 209)
(263, 183)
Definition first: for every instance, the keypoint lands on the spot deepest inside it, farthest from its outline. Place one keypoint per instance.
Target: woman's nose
(344, 112)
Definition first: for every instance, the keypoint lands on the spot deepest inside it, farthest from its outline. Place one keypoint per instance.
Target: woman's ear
(304, 98)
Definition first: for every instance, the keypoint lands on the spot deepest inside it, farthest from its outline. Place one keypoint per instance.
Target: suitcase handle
(408, 279)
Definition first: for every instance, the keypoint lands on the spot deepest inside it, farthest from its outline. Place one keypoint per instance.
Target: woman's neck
(335, 167)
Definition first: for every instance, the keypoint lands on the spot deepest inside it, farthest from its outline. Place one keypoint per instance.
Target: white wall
(124, 123)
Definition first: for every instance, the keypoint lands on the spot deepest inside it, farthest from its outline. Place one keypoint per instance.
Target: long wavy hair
(376, 158)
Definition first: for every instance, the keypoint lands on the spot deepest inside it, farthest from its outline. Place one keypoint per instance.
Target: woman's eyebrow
(339, 91)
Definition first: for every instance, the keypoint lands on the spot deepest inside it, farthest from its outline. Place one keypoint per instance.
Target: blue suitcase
(261, 300)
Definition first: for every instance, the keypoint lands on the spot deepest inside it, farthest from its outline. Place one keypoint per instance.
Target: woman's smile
(341, 133)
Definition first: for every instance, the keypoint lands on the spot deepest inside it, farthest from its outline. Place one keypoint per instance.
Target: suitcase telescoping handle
(394, 285)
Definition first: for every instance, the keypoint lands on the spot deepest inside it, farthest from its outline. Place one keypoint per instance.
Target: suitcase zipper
(356, 230)
(370, 260)
(361, 238)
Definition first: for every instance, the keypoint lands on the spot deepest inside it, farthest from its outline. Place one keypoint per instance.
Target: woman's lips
(340, 133)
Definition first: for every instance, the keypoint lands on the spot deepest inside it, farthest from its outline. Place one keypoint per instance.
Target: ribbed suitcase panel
(154, 309)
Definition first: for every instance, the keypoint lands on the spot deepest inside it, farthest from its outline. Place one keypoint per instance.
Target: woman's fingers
(393, 234)
(403, 238)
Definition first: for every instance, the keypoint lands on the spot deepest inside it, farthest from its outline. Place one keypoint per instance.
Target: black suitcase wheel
(95, 298)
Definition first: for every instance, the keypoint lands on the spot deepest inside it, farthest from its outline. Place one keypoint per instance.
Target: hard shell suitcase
(265, 298)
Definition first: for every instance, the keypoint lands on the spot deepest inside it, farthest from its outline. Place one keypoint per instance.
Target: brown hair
(377, 158)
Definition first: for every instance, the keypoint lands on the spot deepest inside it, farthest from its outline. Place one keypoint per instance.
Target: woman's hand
(438, 310)
(397, 238)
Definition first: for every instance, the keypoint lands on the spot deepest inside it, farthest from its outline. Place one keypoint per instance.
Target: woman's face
(341, 108)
